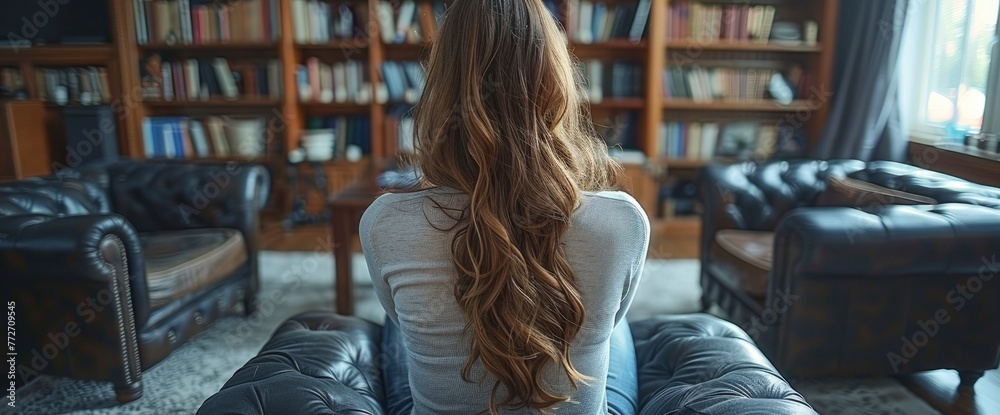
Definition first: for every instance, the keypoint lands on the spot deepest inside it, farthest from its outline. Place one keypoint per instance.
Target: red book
(314, 84)
(196, 24)
(265, 20)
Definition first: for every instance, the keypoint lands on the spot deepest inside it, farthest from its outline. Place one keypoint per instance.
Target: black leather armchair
(879, 289)
(114, 266)
(323, 363)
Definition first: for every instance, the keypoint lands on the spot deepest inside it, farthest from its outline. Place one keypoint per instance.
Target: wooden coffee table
(346, 208)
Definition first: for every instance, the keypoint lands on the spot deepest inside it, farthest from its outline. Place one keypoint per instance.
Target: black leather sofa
(323, 363)
(861, 287)
(113, 266)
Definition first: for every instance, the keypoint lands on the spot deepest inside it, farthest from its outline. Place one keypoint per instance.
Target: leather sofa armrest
(885, 241)
(317, 362)
(40, 251)
(78, 281)
(708, 366)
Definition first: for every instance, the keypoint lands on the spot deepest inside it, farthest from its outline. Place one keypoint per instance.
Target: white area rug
(185, 379)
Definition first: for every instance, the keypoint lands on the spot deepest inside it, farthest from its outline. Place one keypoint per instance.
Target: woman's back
(407, 239)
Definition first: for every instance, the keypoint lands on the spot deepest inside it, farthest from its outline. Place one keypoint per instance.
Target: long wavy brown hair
(502, 119)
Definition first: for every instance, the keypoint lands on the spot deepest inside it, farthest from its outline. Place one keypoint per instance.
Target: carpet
(195, 371)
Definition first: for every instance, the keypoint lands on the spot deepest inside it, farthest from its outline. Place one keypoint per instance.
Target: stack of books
(709, 84)
(204, 79)
(12, 84)
(219, 136)
(318, 22)
(408, 21)
(341, 82)
(206, 21)
(80, 85)
(714, 22)
(622, 80)
(590, 21)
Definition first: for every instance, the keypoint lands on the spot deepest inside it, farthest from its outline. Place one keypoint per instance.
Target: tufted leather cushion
(316, 363)
(179, 263)
(699, 364)
(322, 363)
(848, 192)
(742, 259)
(52, 196)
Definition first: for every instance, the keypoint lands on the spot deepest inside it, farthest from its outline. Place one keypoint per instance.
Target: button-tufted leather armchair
(323, 363)
(844, 291)
(114, 266)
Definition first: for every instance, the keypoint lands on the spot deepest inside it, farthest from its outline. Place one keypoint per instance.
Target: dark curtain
(864, 120)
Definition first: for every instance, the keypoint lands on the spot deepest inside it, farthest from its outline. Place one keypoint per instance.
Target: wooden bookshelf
(749, 106)
(741, 46)
(654, 53)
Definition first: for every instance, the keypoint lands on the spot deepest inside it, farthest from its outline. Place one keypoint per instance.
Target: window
(947, 50)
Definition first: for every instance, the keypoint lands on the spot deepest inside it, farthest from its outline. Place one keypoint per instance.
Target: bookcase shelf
(216, 103)
(750, 106)
(220, 47)
(335, 44)
(334, 109)
(741, 46)
(59, 55)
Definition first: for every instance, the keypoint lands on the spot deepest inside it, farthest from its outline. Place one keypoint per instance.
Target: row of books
(348, 130)
(77, 85)
(744, 139)
(341, 82)
(590, 21)
(204, 79)
(622, 80)
(712, 22)
(408, 21)
(12, 84)
(709, 84)
(404, 80)
(318, 22)
(206, 21)
(219, 136)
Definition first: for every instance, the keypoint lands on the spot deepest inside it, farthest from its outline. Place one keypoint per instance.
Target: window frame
(925, 17)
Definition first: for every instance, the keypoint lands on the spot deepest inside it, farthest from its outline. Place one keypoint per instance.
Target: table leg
(342, 256)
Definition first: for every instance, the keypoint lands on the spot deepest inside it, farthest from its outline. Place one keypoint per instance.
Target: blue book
(600, 11)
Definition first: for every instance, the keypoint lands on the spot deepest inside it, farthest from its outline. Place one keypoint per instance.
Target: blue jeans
(622, 386)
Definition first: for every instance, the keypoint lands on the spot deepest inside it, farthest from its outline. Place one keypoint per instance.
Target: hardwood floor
(679, 239)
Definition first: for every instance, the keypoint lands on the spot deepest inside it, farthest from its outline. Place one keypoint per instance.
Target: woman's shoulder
(612, 199)
(403, 205)
(615, 208)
